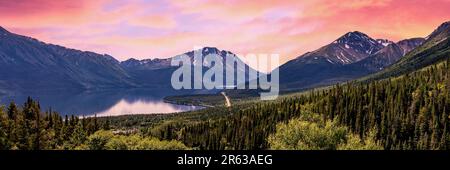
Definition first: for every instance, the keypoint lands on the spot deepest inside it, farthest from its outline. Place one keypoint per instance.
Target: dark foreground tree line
(27, 128)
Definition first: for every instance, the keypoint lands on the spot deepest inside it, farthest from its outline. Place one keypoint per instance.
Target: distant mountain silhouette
(161, 71)
(435, 48)
(27, 63)
(351, 56)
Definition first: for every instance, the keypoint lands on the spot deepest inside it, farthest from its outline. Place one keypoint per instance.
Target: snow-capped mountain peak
(384, 42)
(359, 42)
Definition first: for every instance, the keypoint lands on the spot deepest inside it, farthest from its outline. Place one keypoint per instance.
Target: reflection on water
(103, 103)
(124, 107)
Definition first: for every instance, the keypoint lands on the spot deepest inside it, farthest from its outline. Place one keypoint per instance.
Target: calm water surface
(103, 103)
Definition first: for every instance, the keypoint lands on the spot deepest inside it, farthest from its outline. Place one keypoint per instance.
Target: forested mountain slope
(436, 48)
(406, 112)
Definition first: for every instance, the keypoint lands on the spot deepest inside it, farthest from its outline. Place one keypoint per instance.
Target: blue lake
(103, 103)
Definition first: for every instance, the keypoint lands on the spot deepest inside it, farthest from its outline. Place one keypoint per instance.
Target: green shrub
(106, 140)
(310, 133)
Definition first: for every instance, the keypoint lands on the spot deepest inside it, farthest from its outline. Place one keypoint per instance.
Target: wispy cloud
(163, 28)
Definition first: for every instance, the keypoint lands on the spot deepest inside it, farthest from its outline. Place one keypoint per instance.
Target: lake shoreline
(105, 102)
(186, 103)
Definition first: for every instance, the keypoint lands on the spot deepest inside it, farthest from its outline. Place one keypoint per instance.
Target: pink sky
(164, 28)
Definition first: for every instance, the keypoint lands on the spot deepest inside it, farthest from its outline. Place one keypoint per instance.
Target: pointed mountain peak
(214, 50)
(210, 49)
(205, 50)
(354, 36)
(359, 42)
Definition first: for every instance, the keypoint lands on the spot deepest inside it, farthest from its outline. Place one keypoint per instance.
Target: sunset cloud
(154, 21)
(164, 28)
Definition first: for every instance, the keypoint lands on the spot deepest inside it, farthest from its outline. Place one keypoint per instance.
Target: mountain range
(27, 63)
(356, 55)
(435, 48)
(158, 72)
